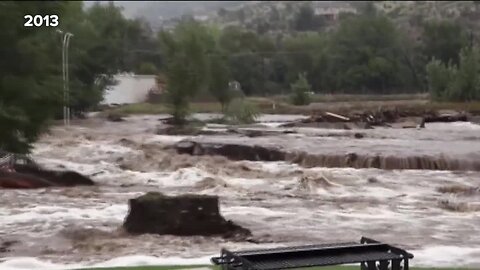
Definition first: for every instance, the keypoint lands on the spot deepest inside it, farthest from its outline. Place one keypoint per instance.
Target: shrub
(453, 83)
(240, 111)
(300, 91)
(438, 78)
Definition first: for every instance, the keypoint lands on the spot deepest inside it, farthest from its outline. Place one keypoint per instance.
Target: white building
(129, 88)
(334, 12)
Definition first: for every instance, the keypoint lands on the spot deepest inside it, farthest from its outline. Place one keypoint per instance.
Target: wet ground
(434, 214)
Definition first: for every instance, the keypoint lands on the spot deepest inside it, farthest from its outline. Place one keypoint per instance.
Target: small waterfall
(383, 162)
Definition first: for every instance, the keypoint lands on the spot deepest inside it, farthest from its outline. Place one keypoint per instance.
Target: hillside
(159, 13)
(428, 9)
(286, 16)
(266, 16)
(260, 16)
(410, 15)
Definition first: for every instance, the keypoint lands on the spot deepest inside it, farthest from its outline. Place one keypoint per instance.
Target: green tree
(104, 43)
(99, 53)
(306, 53)
(443, 40)
(219, 79)
(179, 87)
(306, 20)
(140, 46)
(301, 91)
(365, 56)
(367, 8)
(30, 87)
(279, 71)
(439, 76)
(187, 66)
(412, 72)
(249, 58)
(30, 74)
(466, 85)
(241, 112)
(452, 83)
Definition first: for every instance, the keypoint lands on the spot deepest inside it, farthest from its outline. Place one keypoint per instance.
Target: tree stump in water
(184, 215)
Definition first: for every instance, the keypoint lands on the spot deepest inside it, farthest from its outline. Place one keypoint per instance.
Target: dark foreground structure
(371, 254)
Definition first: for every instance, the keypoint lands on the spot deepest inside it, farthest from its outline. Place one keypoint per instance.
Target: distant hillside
(429, 9)
(254, 15)
(160, 12)
(279, 16)
(410, 15)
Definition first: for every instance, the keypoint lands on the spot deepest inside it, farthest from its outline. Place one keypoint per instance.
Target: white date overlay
(40, 20)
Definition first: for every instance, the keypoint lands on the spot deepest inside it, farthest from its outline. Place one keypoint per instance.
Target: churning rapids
(433, 214)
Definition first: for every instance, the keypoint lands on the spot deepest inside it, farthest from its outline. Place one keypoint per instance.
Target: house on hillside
(332, 13)
(131, 88)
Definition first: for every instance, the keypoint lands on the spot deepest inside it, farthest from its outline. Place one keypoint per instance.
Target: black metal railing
(370, 254)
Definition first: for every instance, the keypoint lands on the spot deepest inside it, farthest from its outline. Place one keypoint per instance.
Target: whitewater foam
(447, 256)
(29, 263)
(432, 256)
(262, 196)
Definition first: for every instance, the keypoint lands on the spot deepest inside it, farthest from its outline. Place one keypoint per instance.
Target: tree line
(364, 53)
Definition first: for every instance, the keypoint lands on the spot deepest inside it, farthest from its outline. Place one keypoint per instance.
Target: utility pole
(66, 92)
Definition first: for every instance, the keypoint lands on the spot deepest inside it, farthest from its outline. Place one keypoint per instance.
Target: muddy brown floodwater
(433, 213)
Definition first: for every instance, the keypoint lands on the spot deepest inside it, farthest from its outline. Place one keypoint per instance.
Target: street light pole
(64, 82)
(66, 94)
(67, 88)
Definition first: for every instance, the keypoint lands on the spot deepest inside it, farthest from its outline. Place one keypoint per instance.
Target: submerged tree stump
(184, 215)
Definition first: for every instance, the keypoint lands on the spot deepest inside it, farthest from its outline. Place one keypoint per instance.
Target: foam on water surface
(447, 256)
(437, 256)
(398, 207)
(30, 263)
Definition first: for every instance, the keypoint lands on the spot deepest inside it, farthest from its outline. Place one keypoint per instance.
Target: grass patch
(320, 103)
(473, 107)
(349, 97)
(149, 108)
(142, 108)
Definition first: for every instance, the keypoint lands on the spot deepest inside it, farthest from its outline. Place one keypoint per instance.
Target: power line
(272, 53)
(144, 51)
(235, 54)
